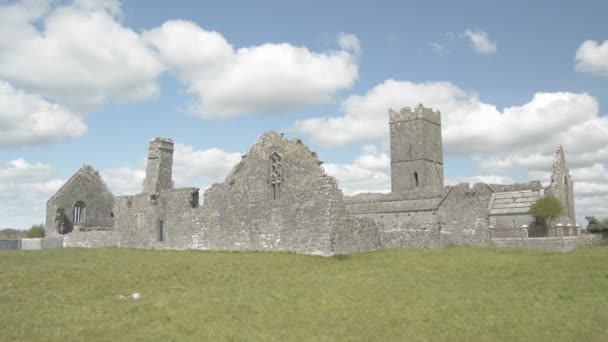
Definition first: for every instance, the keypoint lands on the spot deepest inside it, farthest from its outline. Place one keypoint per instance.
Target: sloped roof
(513, 202)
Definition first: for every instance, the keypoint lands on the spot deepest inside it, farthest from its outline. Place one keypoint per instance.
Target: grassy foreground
(441, 294)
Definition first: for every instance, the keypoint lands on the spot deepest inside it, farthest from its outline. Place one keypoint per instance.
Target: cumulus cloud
(191, 167)
(125, 180)
(267, 78)
(24, 189)
(516, 138)
(77, 53)
(488, 179)
(592, 58)
(480, 42)
(27, 119)
(370, 172)
(470, 126)
(349, 42)
(201, 167)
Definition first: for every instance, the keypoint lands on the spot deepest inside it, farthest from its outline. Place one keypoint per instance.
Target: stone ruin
(278, 198)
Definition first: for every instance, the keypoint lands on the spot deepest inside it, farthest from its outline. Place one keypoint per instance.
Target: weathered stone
(278, 198)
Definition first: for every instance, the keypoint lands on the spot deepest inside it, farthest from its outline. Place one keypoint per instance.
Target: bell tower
(416, 149)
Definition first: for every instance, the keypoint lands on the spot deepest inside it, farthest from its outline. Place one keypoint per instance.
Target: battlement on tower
(420, 112)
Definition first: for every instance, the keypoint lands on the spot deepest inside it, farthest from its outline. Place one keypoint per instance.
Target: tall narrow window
(416, 178)
(160, 234)
(79, 212)
(276, 175)
(409, 148)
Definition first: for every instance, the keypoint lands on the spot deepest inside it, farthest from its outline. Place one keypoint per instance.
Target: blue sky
(93, 81)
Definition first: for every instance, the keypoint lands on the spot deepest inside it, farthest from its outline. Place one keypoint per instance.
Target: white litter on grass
(135, 295)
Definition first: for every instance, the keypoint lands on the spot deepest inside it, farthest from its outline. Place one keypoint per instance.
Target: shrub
(597, 226)
(37, 231)
(546, 209)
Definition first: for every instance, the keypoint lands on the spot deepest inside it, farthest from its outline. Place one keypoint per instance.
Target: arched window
(276, 174)
(79, 212)
(416, 178)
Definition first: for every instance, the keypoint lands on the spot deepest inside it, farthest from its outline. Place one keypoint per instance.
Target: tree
(37, 231)
(597, 226)
(546, 209)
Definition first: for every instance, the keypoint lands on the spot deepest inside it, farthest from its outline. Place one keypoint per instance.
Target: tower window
(160, 233)
(416, 178)
(79, 212)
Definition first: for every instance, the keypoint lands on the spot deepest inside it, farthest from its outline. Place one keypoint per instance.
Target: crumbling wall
(562, 187)
(356, 235)
(405, 219)
(463, 214)
(87, 187)
(277, 198)
(167, 219)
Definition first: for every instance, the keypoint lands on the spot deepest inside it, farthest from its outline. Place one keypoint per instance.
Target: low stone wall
(94, 239)
(564, 244)
(32, 244)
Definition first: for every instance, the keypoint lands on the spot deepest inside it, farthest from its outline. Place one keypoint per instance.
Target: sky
(91, 82)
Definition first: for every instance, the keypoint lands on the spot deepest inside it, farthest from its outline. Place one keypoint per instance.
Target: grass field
(432, 294)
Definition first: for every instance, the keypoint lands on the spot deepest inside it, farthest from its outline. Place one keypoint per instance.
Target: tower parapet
(416, 149)
(159, 170)
(420, 112)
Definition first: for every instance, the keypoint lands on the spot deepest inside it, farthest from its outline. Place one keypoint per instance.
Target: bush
(597, 226)
(546, 209)
(37, 231)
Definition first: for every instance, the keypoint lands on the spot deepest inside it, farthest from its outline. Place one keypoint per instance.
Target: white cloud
(78, 53)
(27, 119)
(125, 180)
(349, 42)
(522, 137)
(199, 168)
(480, 42)
(370, 172)
(471, 126)
(267, 78)
(488, 179)
(439, 48)
(24, 189)
(592, 58)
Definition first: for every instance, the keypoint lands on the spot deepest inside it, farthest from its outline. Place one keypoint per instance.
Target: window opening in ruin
(409, 147)
(79, 212)
(416, 178)
(160, 234)
(276, 174)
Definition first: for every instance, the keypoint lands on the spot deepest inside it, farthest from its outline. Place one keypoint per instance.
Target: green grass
(433, 294)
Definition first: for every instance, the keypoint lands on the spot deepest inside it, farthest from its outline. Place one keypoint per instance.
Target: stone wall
(93, 239)
(562, 187)
(86, 187)
(295, 209)
(416, 149)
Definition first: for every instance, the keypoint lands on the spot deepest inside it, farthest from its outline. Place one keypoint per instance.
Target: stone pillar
(159, 167)
(577, 229)
(524, 231)
(559, 230)
(491, 229)
(569, 225)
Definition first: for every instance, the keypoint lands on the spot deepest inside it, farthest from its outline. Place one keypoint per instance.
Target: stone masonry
(278, 198)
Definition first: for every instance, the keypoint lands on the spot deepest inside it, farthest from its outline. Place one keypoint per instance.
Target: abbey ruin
(279, 198)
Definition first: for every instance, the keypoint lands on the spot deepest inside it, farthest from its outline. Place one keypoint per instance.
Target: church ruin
(279, 198)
